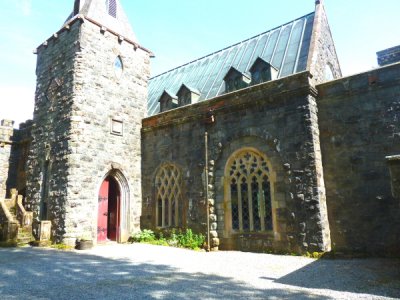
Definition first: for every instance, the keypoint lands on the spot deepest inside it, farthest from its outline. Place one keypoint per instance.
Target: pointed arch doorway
(109, 211)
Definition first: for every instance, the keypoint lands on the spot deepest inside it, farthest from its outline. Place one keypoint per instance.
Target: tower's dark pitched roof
(285, 47)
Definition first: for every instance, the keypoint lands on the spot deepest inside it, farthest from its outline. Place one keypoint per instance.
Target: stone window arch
(248, 192)
(168, 184)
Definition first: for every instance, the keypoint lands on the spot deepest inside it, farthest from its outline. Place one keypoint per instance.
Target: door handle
(105, 214)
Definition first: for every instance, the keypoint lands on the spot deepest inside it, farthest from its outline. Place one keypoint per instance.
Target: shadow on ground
(32, 273)
(47, 274)
(379, 277)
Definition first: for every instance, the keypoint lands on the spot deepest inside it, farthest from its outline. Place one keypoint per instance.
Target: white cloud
(25, 6)
(16, 103)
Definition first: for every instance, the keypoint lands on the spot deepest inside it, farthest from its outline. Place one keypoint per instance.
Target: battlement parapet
(6, 131)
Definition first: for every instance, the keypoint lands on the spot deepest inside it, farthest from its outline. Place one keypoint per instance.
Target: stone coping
(393, 158)
(360, 83)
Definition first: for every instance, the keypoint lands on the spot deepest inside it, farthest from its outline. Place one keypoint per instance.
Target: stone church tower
(84, 166)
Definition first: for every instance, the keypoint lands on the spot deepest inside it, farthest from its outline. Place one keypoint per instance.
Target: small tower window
(118, 67)
(111, 6)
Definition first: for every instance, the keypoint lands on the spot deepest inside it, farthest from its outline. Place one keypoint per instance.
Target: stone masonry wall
(50, 147)
(99, 98)
(19, 156)
(6, 134)
(14, 147)
(359, 124)
(323, 62)
(277, 118)
(78, 95)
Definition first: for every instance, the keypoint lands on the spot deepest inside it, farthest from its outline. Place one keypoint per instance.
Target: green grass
(61, 247)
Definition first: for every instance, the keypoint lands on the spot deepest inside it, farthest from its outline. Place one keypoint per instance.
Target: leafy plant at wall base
(145, 235)
(185, 239)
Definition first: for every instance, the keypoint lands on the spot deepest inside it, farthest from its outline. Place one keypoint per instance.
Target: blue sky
(178, 31)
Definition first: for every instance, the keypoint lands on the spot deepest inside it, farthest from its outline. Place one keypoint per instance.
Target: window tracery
(168, 184)
(249, 192)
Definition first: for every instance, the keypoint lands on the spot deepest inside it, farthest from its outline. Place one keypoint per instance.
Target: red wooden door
(103, 212)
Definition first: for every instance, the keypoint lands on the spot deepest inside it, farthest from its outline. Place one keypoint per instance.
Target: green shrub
(185, 239)
(316, 255)
(144, 236)
(61, 247)
(190, 240)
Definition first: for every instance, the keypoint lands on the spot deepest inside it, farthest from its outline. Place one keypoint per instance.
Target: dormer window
(111, 6)
(168, 101)
(235, 80)
(187, 95)
(262, 71)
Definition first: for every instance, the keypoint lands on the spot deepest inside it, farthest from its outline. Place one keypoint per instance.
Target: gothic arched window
(111, 6)
(249, 191)
(168, 184)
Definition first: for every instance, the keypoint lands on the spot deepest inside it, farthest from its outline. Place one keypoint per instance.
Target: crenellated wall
(21, 152)
(14, 148)
(6, 141)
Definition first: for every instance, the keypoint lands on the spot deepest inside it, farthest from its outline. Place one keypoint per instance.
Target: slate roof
(285, 47)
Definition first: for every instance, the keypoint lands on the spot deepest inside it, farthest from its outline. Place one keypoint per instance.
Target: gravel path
(142, 271)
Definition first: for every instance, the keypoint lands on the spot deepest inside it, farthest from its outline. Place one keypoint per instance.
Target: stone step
(24, 236)
(24, 241)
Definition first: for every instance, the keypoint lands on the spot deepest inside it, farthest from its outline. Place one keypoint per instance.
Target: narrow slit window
(118, 67)
(111, 6)
(43, 214)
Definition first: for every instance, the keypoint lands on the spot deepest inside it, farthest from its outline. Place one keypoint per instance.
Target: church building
(261, 146)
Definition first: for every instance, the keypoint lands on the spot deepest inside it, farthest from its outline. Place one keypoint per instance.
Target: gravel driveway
(142, 271)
